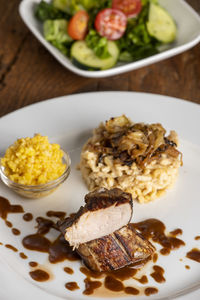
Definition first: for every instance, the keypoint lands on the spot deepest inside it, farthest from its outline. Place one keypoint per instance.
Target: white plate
(69, 121)
(188, 22)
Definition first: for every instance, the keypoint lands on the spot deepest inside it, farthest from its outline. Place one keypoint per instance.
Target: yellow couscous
(33, 161)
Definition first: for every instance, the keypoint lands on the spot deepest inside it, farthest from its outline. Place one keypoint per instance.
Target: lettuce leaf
(45, 11)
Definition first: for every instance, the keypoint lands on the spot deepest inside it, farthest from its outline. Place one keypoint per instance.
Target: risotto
(136, 157)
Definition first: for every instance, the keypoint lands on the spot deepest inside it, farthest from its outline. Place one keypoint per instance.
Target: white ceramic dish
(69, 122)
(188, 22)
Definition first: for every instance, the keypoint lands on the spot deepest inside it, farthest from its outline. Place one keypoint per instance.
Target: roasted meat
(105, 211)
(119, 249)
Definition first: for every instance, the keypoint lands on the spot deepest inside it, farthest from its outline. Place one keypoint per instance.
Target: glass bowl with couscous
(33, 167)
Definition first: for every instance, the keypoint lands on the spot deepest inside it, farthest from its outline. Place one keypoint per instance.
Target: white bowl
(188, 23)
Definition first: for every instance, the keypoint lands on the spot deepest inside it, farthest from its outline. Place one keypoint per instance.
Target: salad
(96, 34)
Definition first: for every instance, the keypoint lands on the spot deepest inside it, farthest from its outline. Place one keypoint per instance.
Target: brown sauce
(158, 274)
(194, 254)
(165, 251)
(72, 286)
(44, 225)
(16, 231)
(113, 284)
(197, 237)
(8, 223)
(22, 255)
(131, 290)
(90, 286)
(60, 250)
(33, 264)
(11, 247)
(36, 242)
(28, 217)
(39, 275)
(150, 291)
(57, 214)
(1, 244)
(6, 208)
(176, 232)
(68, 270)
(187, 267)
(142, 280)
(113, 280)
(154, 229)
(123, 273)
(155, 257)
(90, 273)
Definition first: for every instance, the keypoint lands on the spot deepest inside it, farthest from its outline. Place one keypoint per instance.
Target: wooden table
(28, 73)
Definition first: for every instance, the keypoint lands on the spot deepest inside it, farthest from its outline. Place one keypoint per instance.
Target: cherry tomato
(131, 8)
(111, 23)
(78, 25)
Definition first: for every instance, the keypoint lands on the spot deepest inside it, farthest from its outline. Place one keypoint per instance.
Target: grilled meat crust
(114, 251)
(98, 199)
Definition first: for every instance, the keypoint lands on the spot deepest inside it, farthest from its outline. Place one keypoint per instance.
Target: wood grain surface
(29, 74)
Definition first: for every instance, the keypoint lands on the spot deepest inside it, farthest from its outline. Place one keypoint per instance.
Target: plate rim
(186, 101)
(156, 96)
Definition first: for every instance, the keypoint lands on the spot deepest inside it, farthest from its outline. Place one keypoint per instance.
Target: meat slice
(119, 249)
(105, 211)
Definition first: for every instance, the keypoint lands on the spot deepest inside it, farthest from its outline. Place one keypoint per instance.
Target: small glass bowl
(37, 191)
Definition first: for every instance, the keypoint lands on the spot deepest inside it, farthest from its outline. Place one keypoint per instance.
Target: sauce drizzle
(8, 223)
(33, 264)
(39, 275)
(6, 208)
(11, 247)
(68, 270)
(150, 291)
(22, 255)
(154, 229)
(16, 231)
(187, 267)
(58, 250)
(57, 214)
(28, 217)
(158, 274)
(131, 290)
(72, 286)
(113, 284)
(194, 254)
(90, 286)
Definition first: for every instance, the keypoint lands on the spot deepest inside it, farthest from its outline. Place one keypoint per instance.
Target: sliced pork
(105, 211)
(119, 249)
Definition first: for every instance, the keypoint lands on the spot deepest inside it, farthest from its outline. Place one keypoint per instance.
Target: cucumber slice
(63, 5)
(85, 58)
(82, 66)
(160, 24)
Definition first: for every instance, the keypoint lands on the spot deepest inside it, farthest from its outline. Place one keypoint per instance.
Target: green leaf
(98, 44)
(137, 42)
(45, 11)
(56, 30)
(63, 47)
